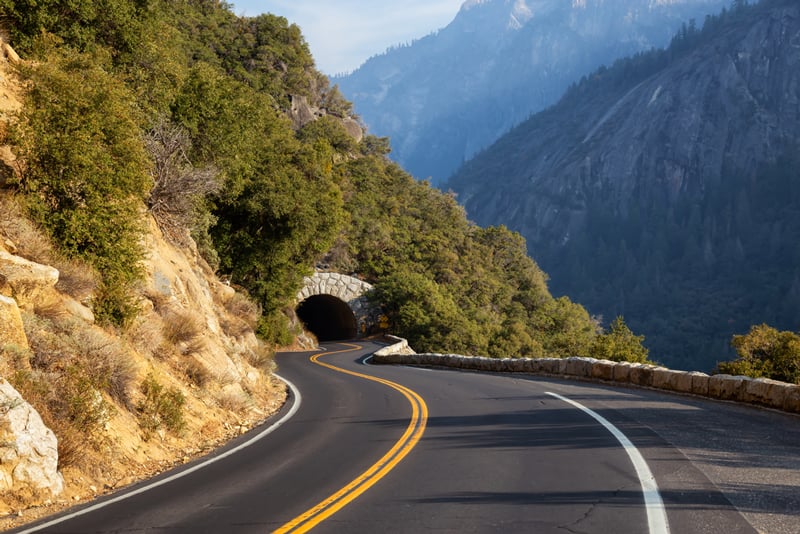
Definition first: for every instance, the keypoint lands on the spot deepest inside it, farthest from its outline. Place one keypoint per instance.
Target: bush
(160, 407)
(85, 173)
(619, 345)
(765, 352)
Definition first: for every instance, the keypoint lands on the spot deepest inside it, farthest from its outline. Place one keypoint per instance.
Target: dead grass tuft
(50, 309)
(196, 372)
(244, 308)
(262, 358)
(108, 363)
(233, 401)
(76, 278)
(181, 327)
(31, 241)
(146, 337)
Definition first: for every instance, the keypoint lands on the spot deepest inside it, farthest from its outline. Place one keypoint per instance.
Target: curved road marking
(419, 417)
(656, 514)
(269, 430)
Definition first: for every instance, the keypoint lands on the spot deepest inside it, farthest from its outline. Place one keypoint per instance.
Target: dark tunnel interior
(328, 318)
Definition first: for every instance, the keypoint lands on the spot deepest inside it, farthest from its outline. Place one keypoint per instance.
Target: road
(449, 451)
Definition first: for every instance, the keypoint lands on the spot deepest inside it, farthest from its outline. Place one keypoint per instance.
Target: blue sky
(342, 34)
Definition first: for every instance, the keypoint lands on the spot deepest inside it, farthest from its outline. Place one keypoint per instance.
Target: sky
(342, 34)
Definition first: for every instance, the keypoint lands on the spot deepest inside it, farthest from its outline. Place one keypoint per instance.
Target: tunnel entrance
(328, 318)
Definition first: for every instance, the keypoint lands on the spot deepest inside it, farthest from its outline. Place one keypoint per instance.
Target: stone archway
(334, 306)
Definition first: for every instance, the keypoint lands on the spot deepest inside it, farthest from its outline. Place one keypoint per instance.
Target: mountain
(446, 96)
(665, 188)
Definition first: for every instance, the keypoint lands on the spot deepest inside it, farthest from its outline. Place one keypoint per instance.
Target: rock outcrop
(28, 451)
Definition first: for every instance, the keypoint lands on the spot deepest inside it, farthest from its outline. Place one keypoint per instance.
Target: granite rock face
(446, 96)
(28, 449)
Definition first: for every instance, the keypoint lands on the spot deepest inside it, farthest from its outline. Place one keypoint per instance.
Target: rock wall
(759, 391)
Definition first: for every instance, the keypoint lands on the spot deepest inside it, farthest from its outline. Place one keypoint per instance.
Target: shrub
(160, 407)
(68, 405)
(619, 344)
(85, 173)
(766, 352)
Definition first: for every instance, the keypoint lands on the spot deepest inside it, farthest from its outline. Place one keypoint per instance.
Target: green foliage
(160, 407)
(766, 352)
(619, 344)
(82, 23)
(446, 284)
(86, 169)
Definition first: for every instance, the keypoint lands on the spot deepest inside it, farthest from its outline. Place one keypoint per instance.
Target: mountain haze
(450, 94)
(666, 188)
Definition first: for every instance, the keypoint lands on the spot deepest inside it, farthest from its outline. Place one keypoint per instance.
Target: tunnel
(328, 318)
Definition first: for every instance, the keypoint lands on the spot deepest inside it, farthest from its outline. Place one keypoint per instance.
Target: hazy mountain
(666, 188)
(446, 96)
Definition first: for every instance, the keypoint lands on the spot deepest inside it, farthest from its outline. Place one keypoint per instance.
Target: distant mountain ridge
(450, 94)
(666, 188)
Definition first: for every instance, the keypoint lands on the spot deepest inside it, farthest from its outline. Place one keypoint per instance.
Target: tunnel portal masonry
(335, 306)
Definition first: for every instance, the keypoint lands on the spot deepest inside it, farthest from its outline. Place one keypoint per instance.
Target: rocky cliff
(444, 97)
(665, 188)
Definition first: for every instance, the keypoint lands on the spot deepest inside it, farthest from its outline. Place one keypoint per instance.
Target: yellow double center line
(419, 417)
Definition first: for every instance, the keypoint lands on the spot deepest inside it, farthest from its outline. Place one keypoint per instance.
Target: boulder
(27, 281)
(28, 449)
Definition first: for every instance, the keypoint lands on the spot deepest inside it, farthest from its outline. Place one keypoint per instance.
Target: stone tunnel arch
(334, 306)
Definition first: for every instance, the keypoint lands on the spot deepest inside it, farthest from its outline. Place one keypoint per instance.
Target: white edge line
(656, 513)
(269, 430)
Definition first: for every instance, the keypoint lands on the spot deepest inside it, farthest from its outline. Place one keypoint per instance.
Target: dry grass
(161, 302)
(235, 327)
(97, 360)
(262, 358)
(69, 405)
(108, 363)
(76, 278)
(146, 337)
(233, 401)
(196, 372)
(242, 307)
(31, 241)
(52, 310)
(181, 327)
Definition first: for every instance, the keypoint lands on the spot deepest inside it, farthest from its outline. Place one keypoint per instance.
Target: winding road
(367, 448)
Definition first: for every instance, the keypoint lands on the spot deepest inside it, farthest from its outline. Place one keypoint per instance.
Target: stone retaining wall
(760, 391)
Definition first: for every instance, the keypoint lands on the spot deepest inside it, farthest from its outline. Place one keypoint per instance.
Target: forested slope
(665, 187)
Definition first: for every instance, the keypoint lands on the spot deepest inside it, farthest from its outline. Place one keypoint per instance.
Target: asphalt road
(499, 453)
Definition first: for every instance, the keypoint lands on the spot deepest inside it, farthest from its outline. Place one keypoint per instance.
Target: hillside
(665, 187)
(444, 97)
(94, 385)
